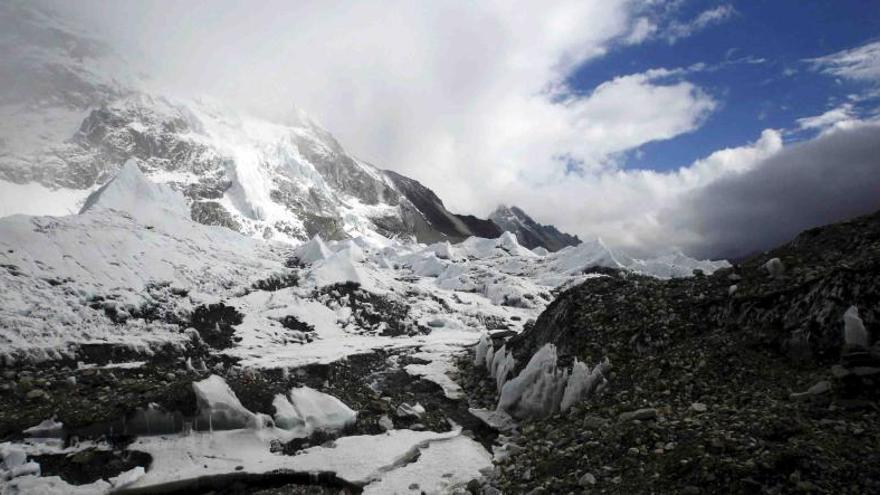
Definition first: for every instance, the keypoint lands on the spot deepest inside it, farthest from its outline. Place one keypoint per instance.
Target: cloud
(444, 92)
(661, 20)
(858, 64)
(624, 207)
(469, 98)
(830, 178)
(643, 29)
(835, 116)
(678, 30)
(731, 203)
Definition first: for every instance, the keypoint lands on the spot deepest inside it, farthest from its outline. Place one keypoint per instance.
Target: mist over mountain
(287, 181)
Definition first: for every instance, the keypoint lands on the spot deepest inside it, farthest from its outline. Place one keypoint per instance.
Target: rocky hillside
(737, 382)
(529, 232)
(439, 222)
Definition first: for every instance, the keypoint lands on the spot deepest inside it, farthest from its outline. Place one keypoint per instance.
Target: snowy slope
(126, 243)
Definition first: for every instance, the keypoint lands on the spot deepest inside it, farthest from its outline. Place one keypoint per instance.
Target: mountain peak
(530, 233)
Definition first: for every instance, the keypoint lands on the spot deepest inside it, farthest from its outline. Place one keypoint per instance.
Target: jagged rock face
(343, 171)
(435, 216)
(163, 138)
(530, 233)
(213, 213)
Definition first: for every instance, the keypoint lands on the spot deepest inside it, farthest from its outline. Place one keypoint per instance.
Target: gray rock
(36, 394)
(819, 388)
(587, 480)
(386, 423)
(774, 267)
(839, 372)
(865, 371)
(640, 414)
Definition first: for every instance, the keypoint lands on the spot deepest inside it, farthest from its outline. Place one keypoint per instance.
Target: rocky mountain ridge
(530, 233)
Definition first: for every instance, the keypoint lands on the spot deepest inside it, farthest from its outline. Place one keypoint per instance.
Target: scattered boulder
(639, 414)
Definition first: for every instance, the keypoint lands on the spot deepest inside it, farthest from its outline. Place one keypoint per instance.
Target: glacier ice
(131, 192)
(15, 462)
(537, 390)
(481, 349)
(413, 411)
(219, 408)
(854, 331)
(46, 428)
(503, 364)
(541, 388)
(583, 382)
(541, 251)
(312, 251)
(307, 410)
(127, 478)
(774, 267)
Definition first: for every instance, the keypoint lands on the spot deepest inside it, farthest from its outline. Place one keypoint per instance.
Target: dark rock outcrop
(754, 387)
(432, 215)
(530, 233)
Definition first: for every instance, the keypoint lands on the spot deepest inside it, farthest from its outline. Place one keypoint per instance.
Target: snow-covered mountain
(529, 232)
(87, 114)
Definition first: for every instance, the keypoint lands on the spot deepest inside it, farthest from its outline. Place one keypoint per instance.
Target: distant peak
(530, 233)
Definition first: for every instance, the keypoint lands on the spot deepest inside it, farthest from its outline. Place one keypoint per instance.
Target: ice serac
(313, 251)
(219, 407)
(131, 192)
(307, 410)
(530, 233)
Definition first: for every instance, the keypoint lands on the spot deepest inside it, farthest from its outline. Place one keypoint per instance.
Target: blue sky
(758, 70)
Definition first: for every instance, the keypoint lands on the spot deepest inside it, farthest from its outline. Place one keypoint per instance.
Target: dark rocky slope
(717, 378)
(434, 221)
